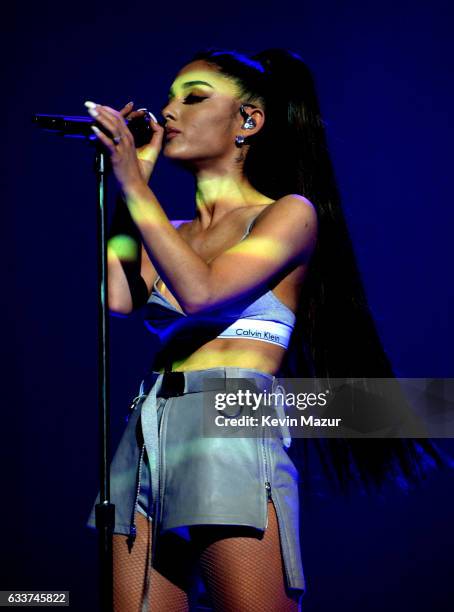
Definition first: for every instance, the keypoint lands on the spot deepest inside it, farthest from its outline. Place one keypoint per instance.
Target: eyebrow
(190, 84)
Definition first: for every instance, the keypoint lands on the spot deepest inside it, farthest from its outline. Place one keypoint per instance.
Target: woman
(266, 256)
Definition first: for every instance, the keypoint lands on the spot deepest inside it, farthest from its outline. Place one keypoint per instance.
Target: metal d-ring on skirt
(201, 480)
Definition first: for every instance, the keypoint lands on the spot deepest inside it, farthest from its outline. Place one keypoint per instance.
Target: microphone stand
(105, 510)
(80, 127)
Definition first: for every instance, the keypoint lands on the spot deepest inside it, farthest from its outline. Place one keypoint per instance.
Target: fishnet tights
(242, 569)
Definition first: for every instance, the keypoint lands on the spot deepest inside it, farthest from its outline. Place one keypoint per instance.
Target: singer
(268, 253)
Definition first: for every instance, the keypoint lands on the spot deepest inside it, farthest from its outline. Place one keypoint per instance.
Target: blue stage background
(384, 75)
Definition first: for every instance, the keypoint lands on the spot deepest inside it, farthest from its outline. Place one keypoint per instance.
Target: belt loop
(174, 384)
(231, 373)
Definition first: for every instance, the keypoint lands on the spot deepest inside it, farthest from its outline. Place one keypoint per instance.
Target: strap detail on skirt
(149, 419)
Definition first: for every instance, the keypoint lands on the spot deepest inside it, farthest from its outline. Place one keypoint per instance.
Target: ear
(257, 114)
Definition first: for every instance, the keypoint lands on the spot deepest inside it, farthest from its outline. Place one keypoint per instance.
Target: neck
(218, 194)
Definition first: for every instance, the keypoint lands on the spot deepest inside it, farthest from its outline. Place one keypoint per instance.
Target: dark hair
(335, 334)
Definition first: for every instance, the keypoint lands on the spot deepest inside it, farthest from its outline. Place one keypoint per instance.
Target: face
(204, 105)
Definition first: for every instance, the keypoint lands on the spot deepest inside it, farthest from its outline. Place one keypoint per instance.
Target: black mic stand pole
(80, 127)
(105, 510)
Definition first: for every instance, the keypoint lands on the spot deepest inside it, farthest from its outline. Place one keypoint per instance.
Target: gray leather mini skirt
(180, 467)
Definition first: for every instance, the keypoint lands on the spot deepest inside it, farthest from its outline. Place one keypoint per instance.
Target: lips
(172, 133)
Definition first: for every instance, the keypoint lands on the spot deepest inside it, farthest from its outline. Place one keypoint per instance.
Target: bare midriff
(228, 352)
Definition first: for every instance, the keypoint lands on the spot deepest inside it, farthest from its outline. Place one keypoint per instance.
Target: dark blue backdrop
(384, 77)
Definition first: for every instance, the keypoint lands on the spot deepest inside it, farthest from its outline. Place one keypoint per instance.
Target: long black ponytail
(335, 335)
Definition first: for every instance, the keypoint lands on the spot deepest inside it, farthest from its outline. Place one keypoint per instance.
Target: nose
(168, 112)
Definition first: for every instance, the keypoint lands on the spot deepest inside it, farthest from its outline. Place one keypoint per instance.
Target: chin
(167, 151)
(173, 157)
(179, 161)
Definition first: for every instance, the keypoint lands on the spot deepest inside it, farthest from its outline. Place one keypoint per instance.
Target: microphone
(80, 127)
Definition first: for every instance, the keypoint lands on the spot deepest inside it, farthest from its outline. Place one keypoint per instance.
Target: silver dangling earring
(239, 140)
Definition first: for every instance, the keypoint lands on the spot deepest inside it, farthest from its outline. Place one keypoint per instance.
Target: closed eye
(193, 99)
(189, 99)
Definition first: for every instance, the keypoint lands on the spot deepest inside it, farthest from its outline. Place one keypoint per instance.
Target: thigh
(172, 578)
(243, 568)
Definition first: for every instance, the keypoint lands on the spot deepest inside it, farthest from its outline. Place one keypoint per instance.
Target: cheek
(207, 133)
(209, 127)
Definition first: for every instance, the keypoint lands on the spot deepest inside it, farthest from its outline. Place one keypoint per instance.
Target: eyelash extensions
(195, 99)
(191, 99)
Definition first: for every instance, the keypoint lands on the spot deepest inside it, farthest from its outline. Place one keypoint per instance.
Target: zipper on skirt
(267, 480)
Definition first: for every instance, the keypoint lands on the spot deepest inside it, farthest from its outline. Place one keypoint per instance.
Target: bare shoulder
(292, 217)
(292, 207)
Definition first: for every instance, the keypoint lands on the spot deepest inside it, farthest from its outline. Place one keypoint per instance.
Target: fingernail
(89, 104)
(129, 103)
(95, 129)
(92, 112)
(149, 112)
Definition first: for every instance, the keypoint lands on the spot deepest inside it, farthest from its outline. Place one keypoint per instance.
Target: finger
(96, 111)
(155, 125)
(157, 128)
(107, 113)
(136, 113)
(153, 120)
(104, 139)
(120, 127)
(126, 110)
(106, 119)
(112, 112)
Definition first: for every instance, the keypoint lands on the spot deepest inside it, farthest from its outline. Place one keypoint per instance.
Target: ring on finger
(117, 139)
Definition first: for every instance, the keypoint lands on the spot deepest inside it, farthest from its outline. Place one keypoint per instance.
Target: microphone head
(140, 127)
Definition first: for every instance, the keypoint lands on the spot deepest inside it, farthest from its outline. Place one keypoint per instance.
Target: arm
(282, 238)
(130, 271)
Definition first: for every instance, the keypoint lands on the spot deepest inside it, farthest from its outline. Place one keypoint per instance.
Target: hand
(131, 167)
(148, 154)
